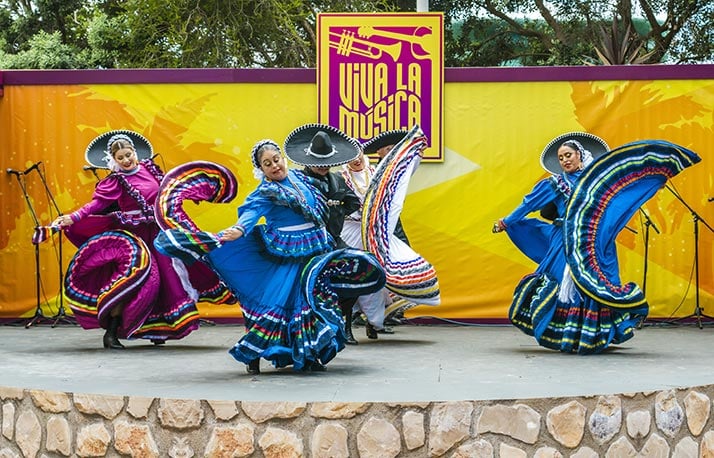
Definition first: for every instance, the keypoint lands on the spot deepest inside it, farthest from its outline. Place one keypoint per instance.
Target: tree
(281, 33)
(242, 33)
(174, 33)
(567, 32)
(30, 17)
(45, 51)
(55, 34)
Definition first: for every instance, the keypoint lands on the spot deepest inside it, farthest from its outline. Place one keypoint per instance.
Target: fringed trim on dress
(146, 214)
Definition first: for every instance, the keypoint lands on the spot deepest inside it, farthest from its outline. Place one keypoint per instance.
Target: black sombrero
(320, 145)
(391, 137)
(590, 142)
(98, 149)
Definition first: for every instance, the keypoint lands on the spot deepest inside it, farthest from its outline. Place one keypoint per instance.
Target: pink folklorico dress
(116, 264)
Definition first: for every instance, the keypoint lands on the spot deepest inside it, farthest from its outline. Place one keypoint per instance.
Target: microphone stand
(648, 224)
(38, 317)
(696, 218)
(61, 316)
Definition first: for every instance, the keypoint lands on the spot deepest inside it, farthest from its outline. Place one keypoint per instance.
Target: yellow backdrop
(493, 135)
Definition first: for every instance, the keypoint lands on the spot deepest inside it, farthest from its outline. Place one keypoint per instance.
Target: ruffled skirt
(583, 326)
(291, 308)
(117, 269)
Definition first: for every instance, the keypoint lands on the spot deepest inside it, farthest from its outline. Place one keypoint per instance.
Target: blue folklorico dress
(284, 272)
(263, 269)
(574, 301)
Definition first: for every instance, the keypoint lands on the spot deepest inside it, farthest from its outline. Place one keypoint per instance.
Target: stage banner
(497, 122)
(382, 71)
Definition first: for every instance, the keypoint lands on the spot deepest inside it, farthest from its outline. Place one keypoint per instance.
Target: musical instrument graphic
(349, 44)
(418, 40)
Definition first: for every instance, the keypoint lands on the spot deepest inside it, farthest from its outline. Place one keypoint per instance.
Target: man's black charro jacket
(341, 201)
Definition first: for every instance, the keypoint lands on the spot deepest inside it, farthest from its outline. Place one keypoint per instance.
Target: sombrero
(592, 143)
(98, 149)
(320, 145)
(390, 137)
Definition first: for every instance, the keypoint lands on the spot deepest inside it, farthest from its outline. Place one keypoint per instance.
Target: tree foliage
(621, 47)
(173, 33)
(281, 33)
(568, 32)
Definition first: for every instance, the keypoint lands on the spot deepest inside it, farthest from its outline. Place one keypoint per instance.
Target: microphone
(33, 166)
(154, 156)
(14, 172)
(711, 199)
(90, 167)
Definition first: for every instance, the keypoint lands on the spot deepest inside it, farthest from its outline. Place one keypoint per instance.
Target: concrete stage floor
(417, 363)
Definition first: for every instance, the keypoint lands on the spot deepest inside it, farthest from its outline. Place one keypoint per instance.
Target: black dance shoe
(253, 367)
(317, 367)
(110, 341)
(350, 338)
(371, 332)
(158, 341)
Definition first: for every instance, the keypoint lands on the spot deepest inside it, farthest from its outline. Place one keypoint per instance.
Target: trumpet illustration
(420, 40)
(347, 44)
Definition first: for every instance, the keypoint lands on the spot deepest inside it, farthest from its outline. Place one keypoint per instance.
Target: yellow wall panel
(493, 134)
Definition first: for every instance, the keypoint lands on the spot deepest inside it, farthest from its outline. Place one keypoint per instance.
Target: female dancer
(266, 275)
(562, 319)
(117, 280)
(284, 272)
(411, 278)
(358, 175)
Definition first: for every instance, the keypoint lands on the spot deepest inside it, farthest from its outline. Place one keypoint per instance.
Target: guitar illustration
(419, 39)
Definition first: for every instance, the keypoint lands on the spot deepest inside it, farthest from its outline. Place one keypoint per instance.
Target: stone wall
(674, 423)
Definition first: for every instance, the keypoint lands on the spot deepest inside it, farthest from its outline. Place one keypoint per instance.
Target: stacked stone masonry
(674, 423)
